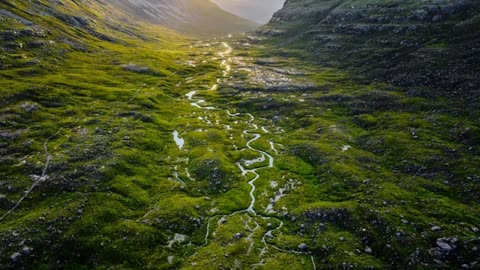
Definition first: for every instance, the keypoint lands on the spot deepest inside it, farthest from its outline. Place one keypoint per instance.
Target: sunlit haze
(255, 10)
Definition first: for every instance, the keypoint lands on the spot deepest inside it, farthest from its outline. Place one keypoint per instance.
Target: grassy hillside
(85, 102)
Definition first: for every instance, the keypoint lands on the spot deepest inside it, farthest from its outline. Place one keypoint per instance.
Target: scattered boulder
(13, 45)
(136, 68)
(40, 44)
(30, 107)
(16, 257)
(27, 250)
(8, 14)
(303, 247)
(74, 21)
(446, 245)
(269, 234)
(9, 35)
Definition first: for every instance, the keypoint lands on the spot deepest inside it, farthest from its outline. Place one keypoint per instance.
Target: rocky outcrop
(431, 43)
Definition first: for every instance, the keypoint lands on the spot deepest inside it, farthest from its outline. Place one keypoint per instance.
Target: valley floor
(238, 159)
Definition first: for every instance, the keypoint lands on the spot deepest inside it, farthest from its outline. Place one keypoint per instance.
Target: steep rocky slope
(411, 43)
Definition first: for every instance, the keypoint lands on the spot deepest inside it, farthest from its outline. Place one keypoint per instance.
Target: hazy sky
(259, 11)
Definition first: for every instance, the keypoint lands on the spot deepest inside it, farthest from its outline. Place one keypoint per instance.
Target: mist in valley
(254, 10)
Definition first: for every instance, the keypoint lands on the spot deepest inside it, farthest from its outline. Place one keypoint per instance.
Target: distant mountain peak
(191, 16)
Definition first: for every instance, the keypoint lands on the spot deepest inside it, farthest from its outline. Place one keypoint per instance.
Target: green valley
(322, 140)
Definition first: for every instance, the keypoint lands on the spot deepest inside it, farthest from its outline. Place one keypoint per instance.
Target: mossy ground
(366, 169)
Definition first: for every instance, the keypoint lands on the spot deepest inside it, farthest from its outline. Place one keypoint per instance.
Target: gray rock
(9, 35)
(239, 235)
(10, 135)
(437, 18)
(444, 245)
(368, 250)
(136, 68)
(436, 228)
(13, 45)
(74, 21)
(30, 107)
(37, 44)
(32, 32)
(303, 246)
(6, 13)
(27, 250)
(16, 257)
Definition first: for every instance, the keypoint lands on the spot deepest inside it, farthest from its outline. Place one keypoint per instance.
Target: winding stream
(254, 131)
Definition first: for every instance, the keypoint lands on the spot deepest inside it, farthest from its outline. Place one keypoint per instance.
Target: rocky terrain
(413, 44)
(125, 144)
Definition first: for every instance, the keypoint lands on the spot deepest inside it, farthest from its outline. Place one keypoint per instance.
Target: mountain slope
(408, 43)
(75, 90)
(257, 11)
(198, 17)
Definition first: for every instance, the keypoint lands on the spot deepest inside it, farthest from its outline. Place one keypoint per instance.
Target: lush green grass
(376, 165)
